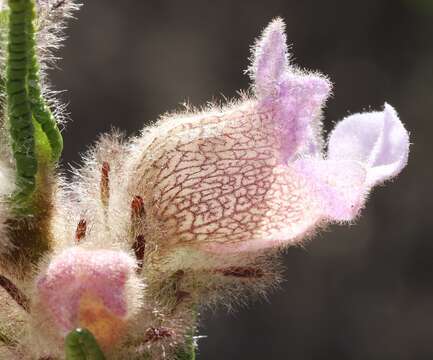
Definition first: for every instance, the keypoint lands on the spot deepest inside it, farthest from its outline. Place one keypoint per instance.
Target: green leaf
(41, 112)
(80, 344)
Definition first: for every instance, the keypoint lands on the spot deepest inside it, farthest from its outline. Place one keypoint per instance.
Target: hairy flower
(254, 175)
(89, 288)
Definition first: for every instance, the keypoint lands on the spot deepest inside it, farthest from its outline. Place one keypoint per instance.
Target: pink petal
(377, 139)
(300, 102)
(295, 97)
(75, 272)
(337, 185)
(274, 77)
(270, 59)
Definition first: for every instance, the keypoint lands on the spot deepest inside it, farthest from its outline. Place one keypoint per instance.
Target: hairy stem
(20, 117)
(35, 139)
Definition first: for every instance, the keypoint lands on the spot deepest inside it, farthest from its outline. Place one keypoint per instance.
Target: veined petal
(285, 214)
(220, 179)
(377, 139)
(217, 179)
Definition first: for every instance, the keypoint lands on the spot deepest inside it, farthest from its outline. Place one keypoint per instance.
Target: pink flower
(88, 288)
(255, 174)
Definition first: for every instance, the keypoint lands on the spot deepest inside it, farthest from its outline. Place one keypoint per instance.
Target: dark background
(360, 292)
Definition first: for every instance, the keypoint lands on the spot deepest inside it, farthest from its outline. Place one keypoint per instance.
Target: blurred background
(359, 292)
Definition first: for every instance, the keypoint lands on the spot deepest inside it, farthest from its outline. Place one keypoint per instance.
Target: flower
(254, 175)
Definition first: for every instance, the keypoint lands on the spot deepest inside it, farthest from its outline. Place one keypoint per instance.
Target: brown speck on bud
(14, 293)
(137, 207)
(105, 183)
(177, 278)
(139, 247)
(80, 232)
(181, 296)
(179, 274)
(58, 4)
(156, 334)
(241, 272)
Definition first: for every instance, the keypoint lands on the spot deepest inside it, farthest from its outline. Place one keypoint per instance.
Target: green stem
(18, 100)
(187, 351)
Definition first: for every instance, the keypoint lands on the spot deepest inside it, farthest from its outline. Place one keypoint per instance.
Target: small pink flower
(255, 174)
(87, 288)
